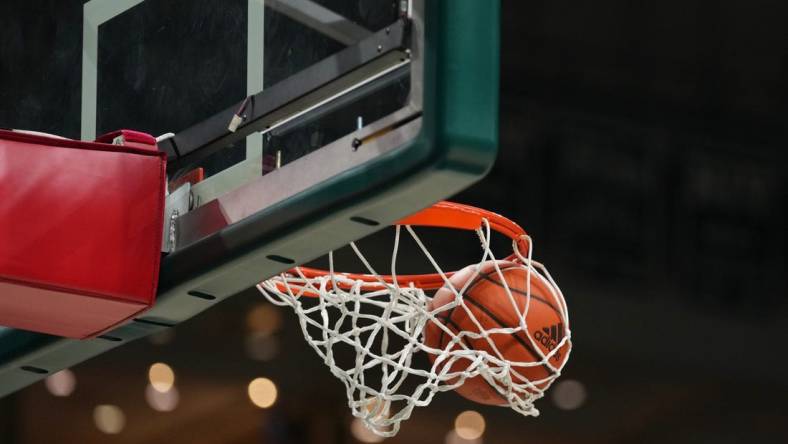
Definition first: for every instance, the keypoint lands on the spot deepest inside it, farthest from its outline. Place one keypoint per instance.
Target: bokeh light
(62, 383)
(362, 433)
(569, 394)
(162, 401)
(161, 377)
(469, 425)
(109, 419)
(265, 319)
(262, 392)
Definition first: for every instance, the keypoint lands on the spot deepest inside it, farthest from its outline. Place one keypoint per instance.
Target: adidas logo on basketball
(549, 337)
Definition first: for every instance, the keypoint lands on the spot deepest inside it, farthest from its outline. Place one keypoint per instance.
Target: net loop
(369, 328)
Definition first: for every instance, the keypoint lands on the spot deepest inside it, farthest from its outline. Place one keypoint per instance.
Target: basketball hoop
(471, 324)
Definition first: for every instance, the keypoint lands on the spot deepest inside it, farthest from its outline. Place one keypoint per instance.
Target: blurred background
(643, 146)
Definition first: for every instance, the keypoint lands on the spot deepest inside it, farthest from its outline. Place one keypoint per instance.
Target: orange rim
(442, 215)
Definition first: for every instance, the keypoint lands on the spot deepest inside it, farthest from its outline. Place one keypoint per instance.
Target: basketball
(487, 300)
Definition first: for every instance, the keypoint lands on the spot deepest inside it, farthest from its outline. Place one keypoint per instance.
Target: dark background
(642, 146)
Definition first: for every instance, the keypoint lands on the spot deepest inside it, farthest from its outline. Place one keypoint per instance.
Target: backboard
(316, 122)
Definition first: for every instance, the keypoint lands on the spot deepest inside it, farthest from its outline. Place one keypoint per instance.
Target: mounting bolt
(403, 7)
(356, 144)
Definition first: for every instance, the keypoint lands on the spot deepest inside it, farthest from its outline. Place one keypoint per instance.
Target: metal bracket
(379, 54)
(177, 204)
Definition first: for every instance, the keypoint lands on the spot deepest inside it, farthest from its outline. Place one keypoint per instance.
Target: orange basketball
(487, 300)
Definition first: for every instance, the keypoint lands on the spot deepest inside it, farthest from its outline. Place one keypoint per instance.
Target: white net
(373, 332)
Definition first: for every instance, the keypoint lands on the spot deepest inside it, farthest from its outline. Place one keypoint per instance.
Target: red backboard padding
(80, 233)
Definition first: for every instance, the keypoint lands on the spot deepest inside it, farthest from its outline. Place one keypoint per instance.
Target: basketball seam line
(486, 276)
(457, 328)
(516, 337)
